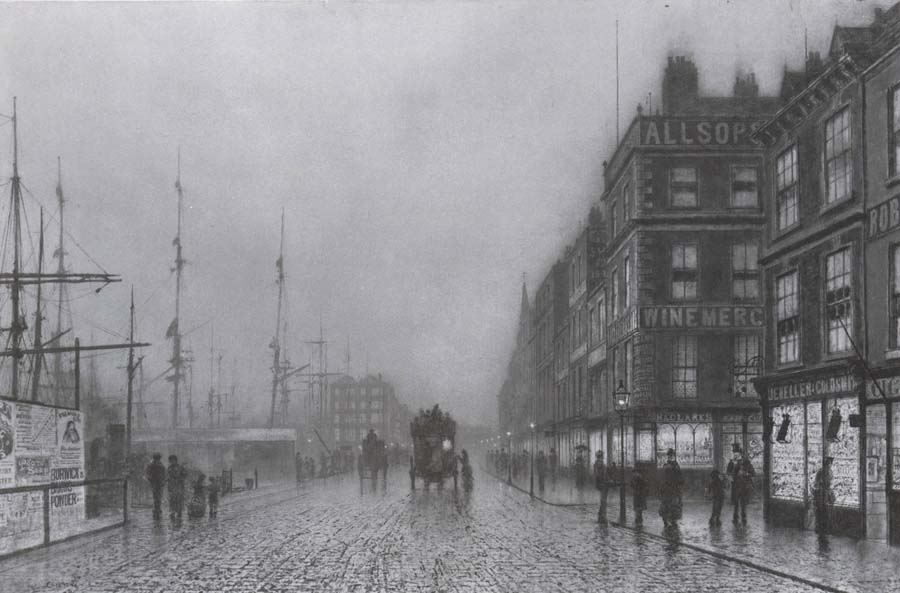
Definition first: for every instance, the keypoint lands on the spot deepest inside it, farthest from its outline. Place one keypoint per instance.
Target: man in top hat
(670, 489)
(823, 497)
(741, 472)
(155, 473)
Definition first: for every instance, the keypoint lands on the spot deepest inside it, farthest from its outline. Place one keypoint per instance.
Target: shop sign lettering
(701, 317)
(690, 417)
(890, 386)
(682, 132)
(838, 384)
(884, 217)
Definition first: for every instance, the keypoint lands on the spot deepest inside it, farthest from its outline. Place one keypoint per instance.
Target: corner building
(684, 304)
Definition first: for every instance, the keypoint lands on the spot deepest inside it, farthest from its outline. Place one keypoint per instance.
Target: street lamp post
(531, 485)
(620, 400)
(509, 458)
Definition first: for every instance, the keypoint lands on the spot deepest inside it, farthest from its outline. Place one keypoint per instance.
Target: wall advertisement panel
(39, 445)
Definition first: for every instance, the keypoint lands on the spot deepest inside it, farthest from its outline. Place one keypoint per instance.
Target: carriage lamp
(834, 425)
(781, 437)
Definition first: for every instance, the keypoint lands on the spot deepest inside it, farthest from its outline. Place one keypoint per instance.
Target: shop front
(882, 456)
(811, 417)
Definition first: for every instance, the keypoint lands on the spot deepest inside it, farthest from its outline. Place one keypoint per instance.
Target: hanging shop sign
(823, 386)
(663, 131)
(701, 317)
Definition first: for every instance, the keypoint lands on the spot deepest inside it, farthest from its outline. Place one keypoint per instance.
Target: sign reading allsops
(700, 317)
(661, 131)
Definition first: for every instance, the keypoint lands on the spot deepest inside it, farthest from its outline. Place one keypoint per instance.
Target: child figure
(213, 497)
(715, 489)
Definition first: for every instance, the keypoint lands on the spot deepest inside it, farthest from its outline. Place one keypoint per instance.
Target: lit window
(745, 271)
(838, 164)
(744, 193)
(683, 187)
(684, 367)
(838, 268)
(787, 317)
(684, 271)
(786, 187)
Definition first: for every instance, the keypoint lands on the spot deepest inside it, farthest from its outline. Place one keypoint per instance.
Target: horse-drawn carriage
(373, 459)
(433, 433)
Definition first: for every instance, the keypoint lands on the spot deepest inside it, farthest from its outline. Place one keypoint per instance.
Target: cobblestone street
(332, 538)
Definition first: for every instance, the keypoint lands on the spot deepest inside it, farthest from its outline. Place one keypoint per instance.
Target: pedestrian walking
(468, 479)
(155, 473)
(823, 497)
(197, 506)
(175, 476)
(310, 467)
(639, 496)
(715, 490)
(580, 471)
(670, 490)
(742, 488)
(540, 466)
(213, 497)
(554, 466)
(602, 484)
(298, 467)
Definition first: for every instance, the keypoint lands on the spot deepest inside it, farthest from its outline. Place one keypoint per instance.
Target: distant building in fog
(355, 406)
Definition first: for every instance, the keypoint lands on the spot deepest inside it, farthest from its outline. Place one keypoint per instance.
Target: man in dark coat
(554, 466)
(670, 489)
(715, 489)
(156, 476)
(175, 477)
(639, 494)
(742, 488)
(823, 497)
(601, 483)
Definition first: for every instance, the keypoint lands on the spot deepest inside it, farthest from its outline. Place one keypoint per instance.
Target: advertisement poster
(7, 445)
(21, 521)
(69, 433)
(35, 430)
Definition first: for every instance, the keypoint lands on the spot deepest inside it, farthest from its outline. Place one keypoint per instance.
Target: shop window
(894, 305)
(744, 191)
(645, 445)
(684, 367)
(838, 270)
(683, 187)
(814, 442)
(746, 364)
(745, 271)
(684, 271)
(786, 187)
(692, 443)
(838, 163)
(787, 317)
(787, 462)
(842, 444)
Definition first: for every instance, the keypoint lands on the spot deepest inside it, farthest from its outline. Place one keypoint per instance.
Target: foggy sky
(426, 155)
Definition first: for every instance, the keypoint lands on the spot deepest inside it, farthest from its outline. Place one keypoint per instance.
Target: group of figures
(172, 481)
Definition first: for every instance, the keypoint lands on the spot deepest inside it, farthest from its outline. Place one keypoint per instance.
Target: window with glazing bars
(744, 191)
(786, 187)
(838, 163)
(684, 367)
(746, 364)
(683, 187)
(787, 317)
(684, 271)
(838, 281)
(745, 271)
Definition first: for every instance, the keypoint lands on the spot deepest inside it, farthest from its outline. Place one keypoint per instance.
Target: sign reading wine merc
(663, 131)
(701, 317)
(39, 445)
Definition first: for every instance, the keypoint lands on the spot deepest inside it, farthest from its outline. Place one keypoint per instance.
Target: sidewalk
(833, 563)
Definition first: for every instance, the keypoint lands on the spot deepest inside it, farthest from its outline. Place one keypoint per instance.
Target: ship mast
(16, 327)
(276, 342)
(62, 295)
(38, 359)
(174, 329)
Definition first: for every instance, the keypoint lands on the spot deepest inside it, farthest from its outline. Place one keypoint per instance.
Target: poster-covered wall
(39, 445)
